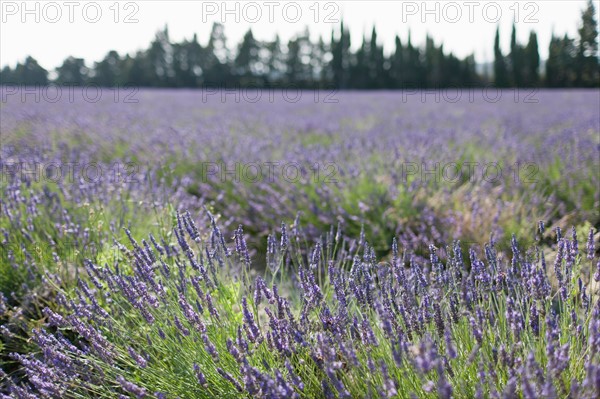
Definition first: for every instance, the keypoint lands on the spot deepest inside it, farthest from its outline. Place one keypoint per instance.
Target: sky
(52, 30)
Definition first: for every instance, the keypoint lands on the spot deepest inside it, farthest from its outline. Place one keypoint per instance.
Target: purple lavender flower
(590, 244)
(389, 385)
(211, 307)
(210, 347)
(156, 245)
(137, 357)
(132, 388)
(284, 237)
(240, 245)
(367, 334)
(229, 378)
(559, 260)
(191, 227)
(443, 386)
(534, 320)
(450, 348)
(200, 376)
(241, 342)
(476, 330)
(257, 293)
(234, 351)
(54, 319)
(196, 284)
(180, 326)
(438, 318)
(585, 300)
(574, 243)
(249, 324)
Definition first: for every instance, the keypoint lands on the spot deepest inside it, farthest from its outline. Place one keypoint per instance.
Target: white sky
(75, 34)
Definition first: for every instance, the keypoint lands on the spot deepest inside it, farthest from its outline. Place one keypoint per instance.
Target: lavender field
(199, 244)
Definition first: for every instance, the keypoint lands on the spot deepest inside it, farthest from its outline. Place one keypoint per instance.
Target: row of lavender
(420, 166)
(189, 320)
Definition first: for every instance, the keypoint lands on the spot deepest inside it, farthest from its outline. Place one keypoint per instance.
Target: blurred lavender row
(412, 164)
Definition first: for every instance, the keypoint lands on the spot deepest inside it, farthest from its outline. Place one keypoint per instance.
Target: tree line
(302, 63)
